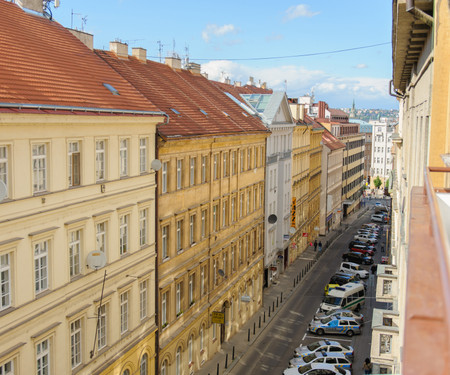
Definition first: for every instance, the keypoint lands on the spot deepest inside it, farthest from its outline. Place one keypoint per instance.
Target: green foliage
(387, 183)
(377, 182)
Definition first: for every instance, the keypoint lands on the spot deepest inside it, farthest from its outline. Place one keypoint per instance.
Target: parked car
(315, 369)
(378, 218)
(338, 313)
(328, 346)
(357, 258)
(371, 225)
(366, 238)
(362, 249)
(342, 278)
(337, 359)
(354, 268)
(367, 245)
(369, 231)
(341, 326)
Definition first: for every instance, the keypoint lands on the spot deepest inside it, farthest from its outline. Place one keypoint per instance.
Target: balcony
(427, 302)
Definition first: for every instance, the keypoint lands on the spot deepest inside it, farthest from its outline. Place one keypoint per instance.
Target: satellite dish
(221, 273)
(291, 230)
(156, 165)
(96, 259)
(272, 219)
(3, 190)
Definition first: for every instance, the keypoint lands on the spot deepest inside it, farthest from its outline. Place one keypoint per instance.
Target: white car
(378, 218)
(366, 238)
(337, 359)
(327, 346)
(354, 269)
(315, 369)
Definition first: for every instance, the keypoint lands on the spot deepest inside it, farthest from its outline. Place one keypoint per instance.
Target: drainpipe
(420, 14)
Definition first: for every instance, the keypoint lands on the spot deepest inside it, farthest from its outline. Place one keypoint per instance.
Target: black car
(342, 278)
(360, 243)
(357, 258)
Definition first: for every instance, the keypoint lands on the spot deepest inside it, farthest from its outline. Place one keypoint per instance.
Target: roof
(43, 63)
(331, 141)
(337, 112)
(195, 106)
(237, 90)
(364, 127)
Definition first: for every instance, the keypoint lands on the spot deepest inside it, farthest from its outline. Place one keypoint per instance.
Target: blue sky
(229, 38)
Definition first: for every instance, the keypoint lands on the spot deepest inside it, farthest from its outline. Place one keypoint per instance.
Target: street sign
(218, 317)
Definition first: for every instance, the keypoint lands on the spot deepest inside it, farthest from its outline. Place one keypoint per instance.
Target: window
(165, 241)
(74, 163)
(178, 296)
(165, 167)
(75, 252)
(39, 167)
(214, 331)
(215, 166)
(249, 158)
(215, 272)
(75, 342)
(224, 213)
(385, 343)
(241, 159)
(241, 205)
(143, 299)
(101, 327)
(5, 282)
(7, 368)
(164, 368)
(193, 162)
(143, 158)
(191, 288)
(190, 349)
(180, 224)
(387, 287)
(203, 224)
(202, 338)
(143, 226)
(215, 218)
(41, 266)
(143, 367)
(100, 160)
(124, 312)
(178, 362)
(101, 236)
(224, 263)
(225, 164)
(43, 357)
(233, 163)
(202, 280)
(4, 166)
(204, 169)
(233, 209)
(233, 254)
(247, 205)
(192, 229)
(123, 234)
(179, 174)
(164, 309)
(123, 154)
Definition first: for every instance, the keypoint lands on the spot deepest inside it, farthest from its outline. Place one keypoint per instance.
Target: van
(348, 296)
(378, 218)
(355, 269)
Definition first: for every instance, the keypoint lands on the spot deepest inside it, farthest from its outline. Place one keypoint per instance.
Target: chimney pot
(173, 62)
(119, 48)
(140, 54)
(237, 83)
(194, 68)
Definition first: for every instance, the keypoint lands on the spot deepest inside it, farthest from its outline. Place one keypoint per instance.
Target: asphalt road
(271, 353)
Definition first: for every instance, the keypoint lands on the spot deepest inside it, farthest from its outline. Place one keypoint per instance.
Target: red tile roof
(237, 90)
(331, 141)
(41, 62)
(188, 94)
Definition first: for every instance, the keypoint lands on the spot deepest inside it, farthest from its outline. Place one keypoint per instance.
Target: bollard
(233, 354)
(281, 297)
(226, 361)
(254, 328)
(294, 283)
(269, 311)
(277, 301)
(273, 305)
(217, 369)
(264, 316)
(259, 325)
(249, 334)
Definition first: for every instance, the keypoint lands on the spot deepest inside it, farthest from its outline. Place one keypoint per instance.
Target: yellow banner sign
(218, 317)
(293, 208)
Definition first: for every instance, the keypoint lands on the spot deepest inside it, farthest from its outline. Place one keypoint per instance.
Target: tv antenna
(83, 20)
(160, 49)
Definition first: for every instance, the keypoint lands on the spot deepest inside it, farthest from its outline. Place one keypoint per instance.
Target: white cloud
(274, 37)
(215, 30)
(361, 66)
(337, 91)
(296, 11)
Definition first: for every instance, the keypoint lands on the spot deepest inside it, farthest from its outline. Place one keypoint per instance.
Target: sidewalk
(224, 360)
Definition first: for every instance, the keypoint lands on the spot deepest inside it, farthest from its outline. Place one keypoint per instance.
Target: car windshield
(308, 358)
(304, 369)
(332, 300)
(313, 346)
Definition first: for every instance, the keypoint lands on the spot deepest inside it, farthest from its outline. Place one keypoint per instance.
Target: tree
(377, 182)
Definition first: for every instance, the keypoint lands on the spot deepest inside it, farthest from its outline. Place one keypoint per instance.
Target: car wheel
(349, 333)
(320, 332)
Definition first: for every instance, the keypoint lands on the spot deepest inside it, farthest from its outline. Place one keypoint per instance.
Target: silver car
(327, 346)
(337, 359)
(341, 326)
(338, 313)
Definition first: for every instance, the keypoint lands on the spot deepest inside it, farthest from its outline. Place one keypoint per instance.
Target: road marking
(325, 338)
(304, 336)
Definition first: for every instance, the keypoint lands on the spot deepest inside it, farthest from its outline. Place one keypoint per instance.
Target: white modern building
(381, 150)
(276, 115)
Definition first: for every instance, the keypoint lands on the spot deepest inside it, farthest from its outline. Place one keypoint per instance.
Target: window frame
(78, 332)
(42, 254)
(74, 163)
(40, 171)
(124, 160)
(100, 160)
(143, 155)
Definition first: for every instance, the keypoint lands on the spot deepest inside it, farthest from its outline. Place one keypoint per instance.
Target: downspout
(418, 13)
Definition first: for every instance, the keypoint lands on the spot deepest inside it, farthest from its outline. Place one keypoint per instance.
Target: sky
(290, 45)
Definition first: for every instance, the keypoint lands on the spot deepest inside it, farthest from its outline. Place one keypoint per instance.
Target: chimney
(35, 5)
(194, 68)
(302, 112)
(85, 38)
(237, 84)
(173, 62)
(119, 48)
(228, 81)
(251, 81)
(205, 75)
(264, 85)
(140, 54)
(321, 109)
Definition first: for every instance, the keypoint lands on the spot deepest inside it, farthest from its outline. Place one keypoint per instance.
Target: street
(271, 352)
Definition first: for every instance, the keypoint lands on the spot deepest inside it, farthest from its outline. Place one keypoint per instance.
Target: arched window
(164, 368)
(178, 362)
(126, 372)
(144, 365)
(201, 337)
(190, 349)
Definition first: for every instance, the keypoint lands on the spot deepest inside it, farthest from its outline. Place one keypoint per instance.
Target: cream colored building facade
(76, 184)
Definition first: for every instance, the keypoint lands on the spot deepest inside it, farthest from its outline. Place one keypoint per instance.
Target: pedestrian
(382, 249)
(320, 245)
(315, 245)
(367, 366)
(373, 269)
